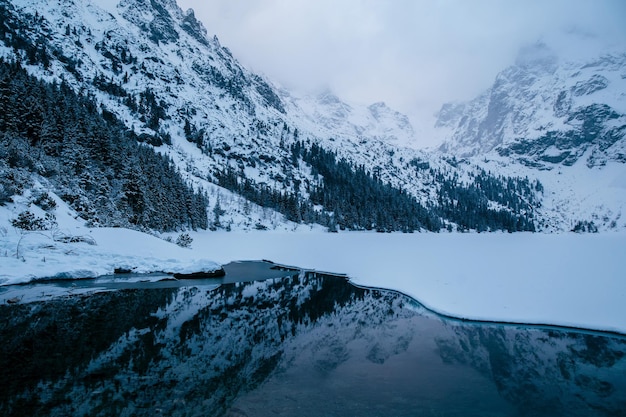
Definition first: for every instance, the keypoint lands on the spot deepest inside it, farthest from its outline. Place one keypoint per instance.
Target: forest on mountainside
(488, 202)
(349, 197)
(88, 157)
(112, 176)
(359, 199)
(104, 172)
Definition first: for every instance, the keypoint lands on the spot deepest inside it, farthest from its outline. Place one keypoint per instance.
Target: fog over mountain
(412, 55)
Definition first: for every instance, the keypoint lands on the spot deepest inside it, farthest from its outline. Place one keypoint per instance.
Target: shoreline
(168, 280)
(487, 322)
(506, 278)
(468, 320)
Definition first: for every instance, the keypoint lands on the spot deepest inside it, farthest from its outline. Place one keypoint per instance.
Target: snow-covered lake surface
(561, 279)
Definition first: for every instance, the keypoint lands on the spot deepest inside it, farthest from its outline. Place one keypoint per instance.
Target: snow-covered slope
(560, 120)
(70, 250)
(215, 112)
(577, 197)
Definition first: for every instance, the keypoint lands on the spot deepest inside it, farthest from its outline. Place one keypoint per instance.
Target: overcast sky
(412, 54)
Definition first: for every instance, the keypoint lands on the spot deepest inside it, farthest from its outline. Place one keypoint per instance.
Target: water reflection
(300, 345)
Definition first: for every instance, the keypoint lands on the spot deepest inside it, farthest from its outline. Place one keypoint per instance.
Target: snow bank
(40, 256)
(28, 255)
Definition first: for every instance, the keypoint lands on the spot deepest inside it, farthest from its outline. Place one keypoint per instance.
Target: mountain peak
(194, 27)
(537, 56)
(564, 107)
(378, 107)
(328, 97)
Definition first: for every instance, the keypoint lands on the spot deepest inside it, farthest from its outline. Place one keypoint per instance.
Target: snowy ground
(29, 255)
(563, 279)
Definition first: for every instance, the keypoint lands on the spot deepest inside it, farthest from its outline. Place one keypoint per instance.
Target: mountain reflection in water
(305, 345)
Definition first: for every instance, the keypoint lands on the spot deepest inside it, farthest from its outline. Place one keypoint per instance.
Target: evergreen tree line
(93, 161)
(355, 199)
(488, 203)
(350, 197)
(286, 202)
(358, 199)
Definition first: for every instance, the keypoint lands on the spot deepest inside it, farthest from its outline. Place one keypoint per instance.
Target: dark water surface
(293, 344)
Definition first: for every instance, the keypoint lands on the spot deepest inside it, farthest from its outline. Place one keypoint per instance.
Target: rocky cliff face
(561, 120)
(545, 111)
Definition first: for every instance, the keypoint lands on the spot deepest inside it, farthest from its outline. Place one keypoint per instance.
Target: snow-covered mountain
(561, 120)
(545, 110)
(141, 45)
(266, 158)
(328, 115)
(155, 67)
(234, 134)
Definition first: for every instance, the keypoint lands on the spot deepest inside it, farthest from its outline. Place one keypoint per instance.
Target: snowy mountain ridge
(544, 111)
(332, 117)
(155, 68)
(560, 120)
(236, 117)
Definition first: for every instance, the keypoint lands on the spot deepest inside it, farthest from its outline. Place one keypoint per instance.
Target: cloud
(414, 55)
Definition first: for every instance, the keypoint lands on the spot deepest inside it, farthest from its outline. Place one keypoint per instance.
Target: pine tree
(217, 213)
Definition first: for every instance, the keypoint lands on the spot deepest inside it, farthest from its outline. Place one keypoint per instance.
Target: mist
(413, 55)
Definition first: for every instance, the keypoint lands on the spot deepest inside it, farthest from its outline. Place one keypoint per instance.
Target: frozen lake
(521, 278)
(271, 342)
